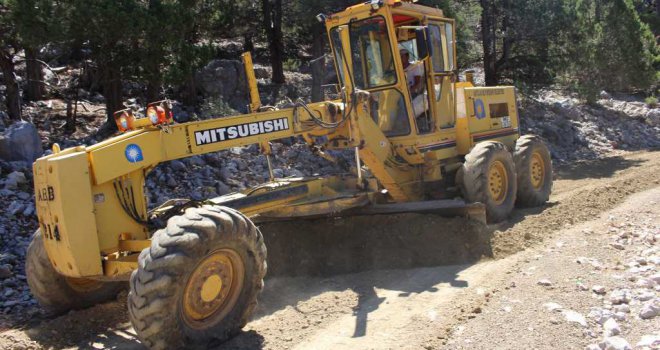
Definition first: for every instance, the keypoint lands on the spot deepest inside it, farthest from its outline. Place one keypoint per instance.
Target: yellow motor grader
(423, 142)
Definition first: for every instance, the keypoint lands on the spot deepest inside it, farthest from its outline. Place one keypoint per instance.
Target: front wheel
(488, 176)
(198, 282)
(534, 171)
(58, 294)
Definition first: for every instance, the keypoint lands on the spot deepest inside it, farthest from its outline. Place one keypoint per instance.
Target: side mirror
(423, 39)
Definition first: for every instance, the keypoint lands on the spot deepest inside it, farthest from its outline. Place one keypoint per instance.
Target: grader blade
(445, 208)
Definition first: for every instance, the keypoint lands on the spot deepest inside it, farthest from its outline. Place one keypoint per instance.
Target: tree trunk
(12, 93)
(272, 13)
(507, 34)
(488, 41)
(154, 54)
(318, 66)
(153, 73)
(248, 43)
(35, 86)
(190, 91)
(112, 91)
(72, 109)
(153, 89)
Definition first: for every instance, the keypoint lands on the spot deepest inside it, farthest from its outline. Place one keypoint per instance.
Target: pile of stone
(19, 147)
(217, 174)
(576, 131)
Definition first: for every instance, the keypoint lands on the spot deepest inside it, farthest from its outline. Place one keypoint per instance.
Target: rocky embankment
(578, 131)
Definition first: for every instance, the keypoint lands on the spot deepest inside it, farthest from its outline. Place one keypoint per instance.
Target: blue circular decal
(133, 153)
(480, 109)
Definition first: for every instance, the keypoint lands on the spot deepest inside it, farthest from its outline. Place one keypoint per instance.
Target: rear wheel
(488, 177)
(534, 171)
(58, 294)
(198, 283)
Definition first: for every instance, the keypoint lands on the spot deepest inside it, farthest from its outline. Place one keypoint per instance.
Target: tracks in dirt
(415, 308)
(375, 282)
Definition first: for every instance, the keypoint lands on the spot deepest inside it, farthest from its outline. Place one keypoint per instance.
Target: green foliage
(608, 47)
(467, 14)
(651, 101)
(34, 21)
(586, 45)
(292, 64)
(648, 13)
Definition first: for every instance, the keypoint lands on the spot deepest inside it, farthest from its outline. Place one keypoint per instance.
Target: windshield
(371, 53)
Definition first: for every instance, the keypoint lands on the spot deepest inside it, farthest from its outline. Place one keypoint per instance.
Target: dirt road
(423, 282)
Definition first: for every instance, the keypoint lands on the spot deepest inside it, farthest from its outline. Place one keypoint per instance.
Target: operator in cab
(415, 77)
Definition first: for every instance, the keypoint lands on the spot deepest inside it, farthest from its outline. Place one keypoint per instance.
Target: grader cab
(423, 141)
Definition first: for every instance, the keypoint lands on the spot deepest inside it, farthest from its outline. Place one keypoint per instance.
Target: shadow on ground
(597, 169)
(407, 253)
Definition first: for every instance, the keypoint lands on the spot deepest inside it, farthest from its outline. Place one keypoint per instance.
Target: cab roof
(407, 5)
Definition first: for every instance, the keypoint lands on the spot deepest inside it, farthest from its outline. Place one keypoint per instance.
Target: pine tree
(112, 32)
(608, 48)
(36, 24)
(8, 49)
(271, 10)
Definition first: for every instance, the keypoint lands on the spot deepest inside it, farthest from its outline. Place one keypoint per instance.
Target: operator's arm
(416, 70)
(417, 87)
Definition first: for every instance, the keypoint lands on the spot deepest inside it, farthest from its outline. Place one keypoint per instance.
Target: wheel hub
(213, 288)
(498, 182)
(537, 170)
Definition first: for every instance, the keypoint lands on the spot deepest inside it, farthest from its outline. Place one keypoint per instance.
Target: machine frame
(91, 201)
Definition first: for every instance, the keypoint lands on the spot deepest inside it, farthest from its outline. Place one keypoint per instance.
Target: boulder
(14, 180)
(262, 72)
(225, 79)
(20, 142)
(653, 117)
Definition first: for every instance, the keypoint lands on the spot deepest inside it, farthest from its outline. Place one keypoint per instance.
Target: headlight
(124, 120)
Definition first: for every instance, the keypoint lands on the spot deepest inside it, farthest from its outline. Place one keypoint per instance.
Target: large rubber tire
(58, 294)
(159, 285)
(475, 179)
(530, 150)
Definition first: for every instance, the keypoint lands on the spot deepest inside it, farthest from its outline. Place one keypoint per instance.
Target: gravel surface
(600, 297)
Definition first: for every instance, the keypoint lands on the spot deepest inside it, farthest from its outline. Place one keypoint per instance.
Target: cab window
(388, 110)
(371, 53)
(449, 32)
(438, 56)
(442, 40)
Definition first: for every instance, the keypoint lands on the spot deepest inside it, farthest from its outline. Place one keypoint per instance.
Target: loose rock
(575, 317)
(650, 310)
(5, 272)
(20, 142)
(545, 283)
(600, 290)
(611, 328)
(651, 341)
(615, 343)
